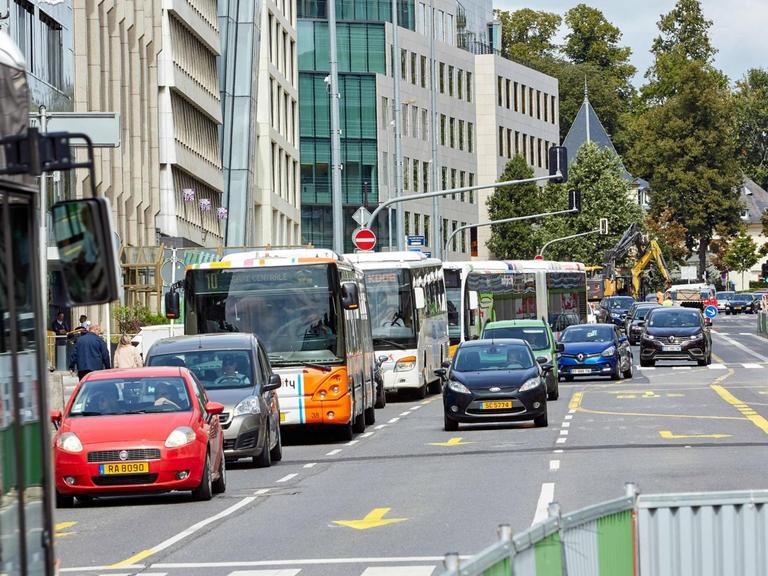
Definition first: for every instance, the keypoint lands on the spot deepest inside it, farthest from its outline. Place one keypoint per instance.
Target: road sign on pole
(538, 257)
(710, 311)
(364, 239)
(361, 216)
(416, 240)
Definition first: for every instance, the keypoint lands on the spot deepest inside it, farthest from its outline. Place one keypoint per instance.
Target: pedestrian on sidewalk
(126, 355)
(90, 353)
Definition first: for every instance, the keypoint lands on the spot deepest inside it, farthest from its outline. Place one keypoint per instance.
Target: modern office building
(466, 115)
(260, 136)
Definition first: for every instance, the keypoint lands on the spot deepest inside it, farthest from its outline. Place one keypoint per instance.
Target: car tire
(449, 425)
(568, 378)
(276, 454)
(541, 421)
(370, 416)
(264, 458)
(421, 392)
(381, 398)
(555, 394)
(628, 373)
(702, 362)
(616, 374)
(647, 363)
(219, 485)
(204, 490)
(64, 500)
(358, 426)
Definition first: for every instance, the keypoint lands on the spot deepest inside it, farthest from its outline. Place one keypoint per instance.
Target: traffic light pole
(503, 221)
(603, 230)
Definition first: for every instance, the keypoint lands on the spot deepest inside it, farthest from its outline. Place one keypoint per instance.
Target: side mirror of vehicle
(641, 323)
(350, 296)
(214, 408)
(274, 383)
(86, 245)
(560, 347)
(546, 367)
(446, 364)
(56, 418)
(707, 322)
(172, 305)
(542, 360)
(442, 372)
(381, 359)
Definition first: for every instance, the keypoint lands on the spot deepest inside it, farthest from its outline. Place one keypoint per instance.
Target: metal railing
(656, 534)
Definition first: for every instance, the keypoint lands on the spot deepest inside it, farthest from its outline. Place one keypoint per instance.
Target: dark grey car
(235, 371)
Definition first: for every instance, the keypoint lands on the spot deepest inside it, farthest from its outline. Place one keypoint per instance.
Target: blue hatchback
(594, 350)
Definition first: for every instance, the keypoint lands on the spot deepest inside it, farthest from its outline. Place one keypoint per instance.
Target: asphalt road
(674, 428)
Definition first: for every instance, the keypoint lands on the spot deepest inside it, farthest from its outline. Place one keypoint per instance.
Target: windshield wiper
(390, 342)
(87, 413)
(282, 362)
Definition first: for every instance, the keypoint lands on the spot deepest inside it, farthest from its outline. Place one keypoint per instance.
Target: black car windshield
(620, 303)
(214, 368)
(587, 334)
(150, 394)
(536, 337)
(674, 319)
(493, 356)
(742, 298)
(642, 312)
(724, 295)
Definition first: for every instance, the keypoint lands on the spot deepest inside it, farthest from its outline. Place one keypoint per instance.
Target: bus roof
(472, 265)
(371, 260)
(550, 265)
(273, 257)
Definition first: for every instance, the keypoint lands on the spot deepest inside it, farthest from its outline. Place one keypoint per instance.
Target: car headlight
(181, 436)
(248, 405)
(695, 336)
(649, 337)
(405, 364)
(616, 314)
(610, 351)
(69, 442)
(530, 385)
(458, 387)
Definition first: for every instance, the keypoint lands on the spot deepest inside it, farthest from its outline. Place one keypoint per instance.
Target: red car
(135, 431)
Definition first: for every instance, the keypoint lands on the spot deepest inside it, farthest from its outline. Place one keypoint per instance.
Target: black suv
(613, 310)
(741, 303)
(675, 333)
(235, 371)
(636, 316)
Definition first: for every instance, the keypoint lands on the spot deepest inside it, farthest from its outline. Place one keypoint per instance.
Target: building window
(552, 109)
(450, 80)
(445, 231)
(415, 175)
(416, 224)
(499, 84)
(507, 93)
(501, 141)
(546, 108)
(442, 78)
(406, 167)
(384, 111)
(525, 146)
(470, 183)
(423, 72)
(461, 134)
(460, 83)
(403, 63)
(517, 142)
(454, 226)
(452, 132)
(414, 71)
(538, 152)
(427, 231)
(462, 180)
(407, 223)
(514, 95)
(424, 124)
(444, 178)
(530, 102)
(469, 86)
(422, 20)
(415, 121)
(509, 143)
(463, 238)
(470, 137)
(453, 181)
(538, 104)
(425, 176)
(531, 143)
(404, 118)
(442, 129)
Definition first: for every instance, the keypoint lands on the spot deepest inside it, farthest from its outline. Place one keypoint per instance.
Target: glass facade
(368, 10)
(359, 47)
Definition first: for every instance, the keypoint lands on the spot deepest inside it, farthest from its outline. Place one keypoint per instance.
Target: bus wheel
(421, 392)
(370, 416)
(359, 425)
(435, 386)
(381, 397)
(346, 432)
(64, 500)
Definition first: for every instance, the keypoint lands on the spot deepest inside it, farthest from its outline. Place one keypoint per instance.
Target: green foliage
(604, 193)
(516, 240)
(752, 124)
(131, 318)
(741, 254)
(684, 29)
(527, 35)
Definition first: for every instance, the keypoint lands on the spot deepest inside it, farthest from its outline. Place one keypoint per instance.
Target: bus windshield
(391, 308)
(453, 295)
(292, 309)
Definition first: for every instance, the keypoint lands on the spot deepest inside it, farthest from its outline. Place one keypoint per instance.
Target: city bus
(309, 308)
(409, 317)
(465, 319)
(89, 273)
(532, 289)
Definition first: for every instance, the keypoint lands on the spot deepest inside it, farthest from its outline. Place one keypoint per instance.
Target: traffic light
(603, 226)
(558, 161)
(574, 201)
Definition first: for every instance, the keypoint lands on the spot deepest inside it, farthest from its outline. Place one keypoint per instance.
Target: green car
(538, 334)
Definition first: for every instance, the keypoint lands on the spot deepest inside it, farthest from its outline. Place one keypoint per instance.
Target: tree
(684, 142)
(752, 124)
(670, 234)
(596, 172)
(516, 240)
(742, 254)
(527, 36)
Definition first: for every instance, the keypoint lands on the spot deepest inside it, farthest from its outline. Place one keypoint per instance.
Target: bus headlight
(405, 364)
(69, 442)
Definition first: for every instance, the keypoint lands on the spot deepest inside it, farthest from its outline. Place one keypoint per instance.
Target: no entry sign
(364, 239)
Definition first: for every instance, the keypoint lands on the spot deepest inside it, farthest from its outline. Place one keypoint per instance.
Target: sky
(738, 30)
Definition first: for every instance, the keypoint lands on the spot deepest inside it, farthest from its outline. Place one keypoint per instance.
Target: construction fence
(696, 534)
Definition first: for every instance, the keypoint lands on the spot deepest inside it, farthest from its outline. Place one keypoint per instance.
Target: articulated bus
(409, 320)
(485, 291)
(309, 307)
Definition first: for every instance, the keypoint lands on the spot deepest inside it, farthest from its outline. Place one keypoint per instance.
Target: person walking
(59, 325)
(126, 354)
(90, 353)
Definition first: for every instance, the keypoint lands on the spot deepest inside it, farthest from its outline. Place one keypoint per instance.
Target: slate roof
(756, 201)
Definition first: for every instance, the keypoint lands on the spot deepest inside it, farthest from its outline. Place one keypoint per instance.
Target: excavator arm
(631, 237)
(652, 253)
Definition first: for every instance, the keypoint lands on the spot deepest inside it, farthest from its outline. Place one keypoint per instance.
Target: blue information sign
(710, 311)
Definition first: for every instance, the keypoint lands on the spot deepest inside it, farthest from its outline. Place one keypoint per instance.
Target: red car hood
(133, 428)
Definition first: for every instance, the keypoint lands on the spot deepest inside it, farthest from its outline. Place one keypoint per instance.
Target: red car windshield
(151, 394)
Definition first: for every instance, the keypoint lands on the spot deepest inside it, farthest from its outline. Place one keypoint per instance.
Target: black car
(638, 313)
(741, 303)
(495, 381)
(613, 310)
(235, 371)
(675, 333)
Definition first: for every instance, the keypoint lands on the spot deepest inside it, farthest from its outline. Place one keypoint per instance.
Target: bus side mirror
(83, 231)
(172, 305)
(418, 293)
(474, 300)
(350, 297)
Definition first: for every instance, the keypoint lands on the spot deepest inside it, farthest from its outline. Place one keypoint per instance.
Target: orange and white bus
(309, 308)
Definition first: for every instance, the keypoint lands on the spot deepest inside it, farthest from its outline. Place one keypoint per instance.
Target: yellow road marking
(575, 401)
(742, 407)
(666, 434)
(451, 442)
(63, 525)
(373, 519)
(133, 559)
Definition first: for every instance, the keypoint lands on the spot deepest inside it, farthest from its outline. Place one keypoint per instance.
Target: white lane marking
(681, 367)
(745, 333)
(261, 491)
(278, 572)
(741, 346)
(351, 442)
(565, 424)
(405, 413)
(646, 367)
(561, 440)
(367, 435)
(569, 416)
(287, 477)
(571, 411)
(398, 571)
(310, 465)
(415, 407)
(563, 432)
(298, 562)
(333, 452)
(558, 451)
(721, 333)
(380, 426)
(554, 465)
(752, 366)
(716, 366)
(392, 420)
(545, 497)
